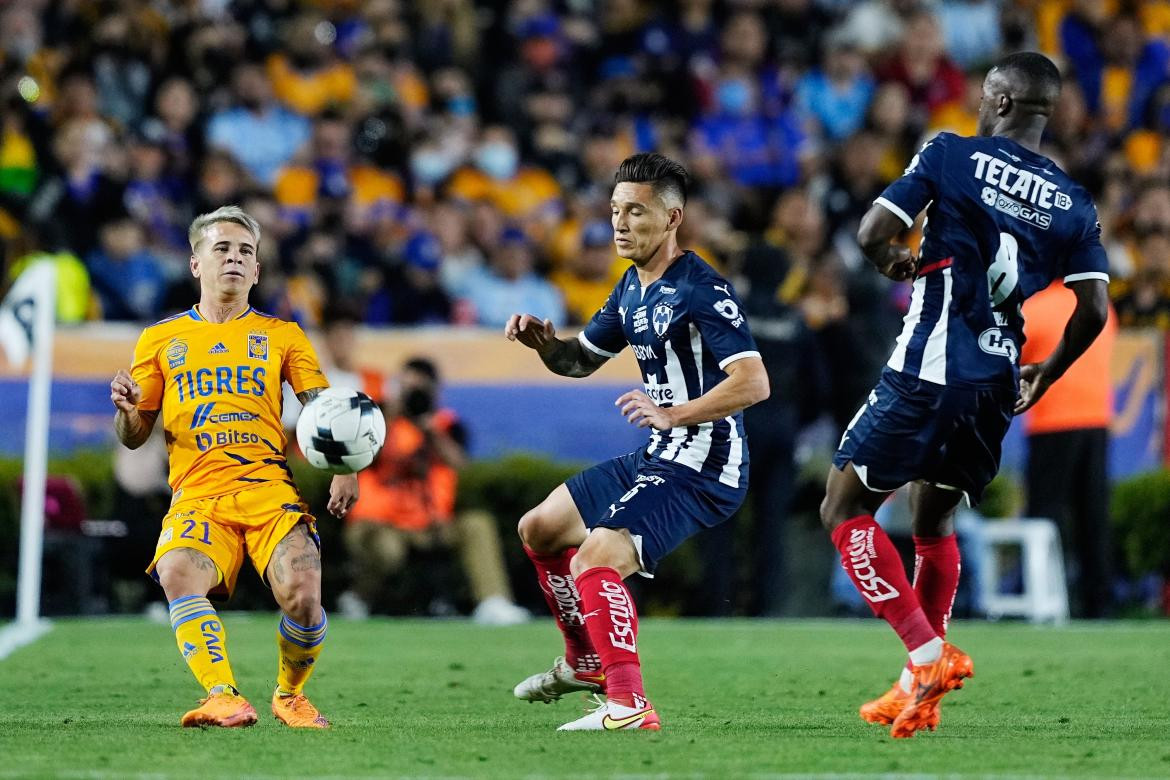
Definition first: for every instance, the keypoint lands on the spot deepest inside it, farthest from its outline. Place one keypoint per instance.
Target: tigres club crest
(258, 345)
(662, 317)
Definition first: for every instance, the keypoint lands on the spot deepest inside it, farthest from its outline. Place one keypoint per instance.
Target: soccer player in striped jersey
(700, 366)
(1003, 221)
(213, 374)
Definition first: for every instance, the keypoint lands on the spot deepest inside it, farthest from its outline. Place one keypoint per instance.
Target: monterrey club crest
(662, 317)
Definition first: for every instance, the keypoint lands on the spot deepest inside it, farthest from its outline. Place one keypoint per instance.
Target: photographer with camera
(408, 503)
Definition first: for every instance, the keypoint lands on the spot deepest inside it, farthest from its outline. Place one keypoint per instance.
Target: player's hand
(639, 410)
(900, 264)
(343, 494)
(125, 392)
(530, 331)
(1034, 382)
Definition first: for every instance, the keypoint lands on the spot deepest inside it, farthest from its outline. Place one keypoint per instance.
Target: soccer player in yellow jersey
(214, 373)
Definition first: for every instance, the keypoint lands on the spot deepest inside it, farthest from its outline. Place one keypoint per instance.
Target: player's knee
(610, 549)
(831, 514)
(537, 530)
(179, 576)
(303, 604)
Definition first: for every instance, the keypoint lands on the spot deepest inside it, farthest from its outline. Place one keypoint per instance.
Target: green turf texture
(102, 698)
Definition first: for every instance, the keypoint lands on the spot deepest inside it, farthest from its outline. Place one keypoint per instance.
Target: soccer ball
(341, 430)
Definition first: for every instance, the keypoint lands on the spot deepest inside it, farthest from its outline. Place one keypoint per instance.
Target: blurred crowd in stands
(450, 161)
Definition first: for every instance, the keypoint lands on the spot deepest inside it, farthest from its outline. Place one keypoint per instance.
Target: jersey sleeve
(919, 185)
(301, 369)
(603, 335)
(719, 315)
(147, 372)
(1086, 258)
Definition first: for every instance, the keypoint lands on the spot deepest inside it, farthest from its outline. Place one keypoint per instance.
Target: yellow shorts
(223, 528)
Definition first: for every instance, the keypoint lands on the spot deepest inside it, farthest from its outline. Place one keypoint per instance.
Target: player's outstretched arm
(567, 357)
(1086, 322)
(131, 424)
(746, 384)
(878, 228)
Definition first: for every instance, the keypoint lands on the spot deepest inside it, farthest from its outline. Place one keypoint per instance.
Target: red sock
(871, 561)
(613, 627)
(936, 578)
(556, 582)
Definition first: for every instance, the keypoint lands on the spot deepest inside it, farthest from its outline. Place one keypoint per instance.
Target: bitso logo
(203, 441)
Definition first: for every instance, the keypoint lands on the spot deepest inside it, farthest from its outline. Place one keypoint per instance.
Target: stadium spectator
(836, 96)
(257, 131)
(526, 194)
(411, 292)
(70, 207)
(972, 30)
(309, 77)
(407, 503)
(511, 284)
(131, 281)
(153, 196)
(921, 65)
(177, 109)
(589, 273)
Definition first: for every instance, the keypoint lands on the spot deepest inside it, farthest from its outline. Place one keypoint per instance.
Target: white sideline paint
(15, 636)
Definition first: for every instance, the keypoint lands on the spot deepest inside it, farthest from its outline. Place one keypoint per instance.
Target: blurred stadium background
(433, 166)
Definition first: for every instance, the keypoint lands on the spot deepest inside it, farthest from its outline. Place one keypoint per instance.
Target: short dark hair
(1037, 74)
(424, 366)
(664, 174)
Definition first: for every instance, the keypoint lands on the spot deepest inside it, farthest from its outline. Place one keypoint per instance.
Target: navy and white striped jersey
(1002, 223)
(684, 328)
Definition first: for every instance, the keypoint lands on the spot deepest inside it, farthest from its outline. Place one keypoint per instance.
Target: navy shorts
(914, 430)
(661, 504)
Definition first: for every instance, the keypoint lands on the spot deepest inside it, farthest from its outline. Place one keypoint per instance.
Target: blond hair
(223, 214)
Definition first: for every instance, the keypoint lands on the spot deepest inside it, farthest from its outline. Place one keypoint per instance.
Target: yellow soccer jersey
(219, 388)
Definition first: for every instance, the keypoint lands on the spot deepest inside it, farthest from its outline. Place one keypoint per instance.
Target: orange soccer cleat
(931, 682)
(225, 708)
(297, 712)
(889, 705)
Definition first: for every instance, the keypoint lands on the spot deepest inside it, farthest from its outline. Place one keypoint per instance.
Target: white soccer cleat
(557, 681)
(612, 716)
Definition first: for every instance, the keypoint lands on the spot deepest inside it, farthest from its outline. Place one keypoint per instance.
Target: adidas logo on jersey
(218, 349)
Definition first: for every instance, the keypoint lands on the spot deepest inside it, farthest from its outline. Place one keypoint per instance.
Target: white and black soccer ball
(341, 430)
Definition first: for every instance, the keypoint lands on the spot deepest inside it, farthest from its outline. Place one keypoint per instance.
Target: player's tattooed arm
(878, 228)
(131, 424)
(308, 395)
(567, 357)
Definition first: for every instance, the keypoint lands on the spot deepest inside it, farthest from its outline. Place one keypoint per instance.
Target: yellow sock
(299, 648)
(202, 641)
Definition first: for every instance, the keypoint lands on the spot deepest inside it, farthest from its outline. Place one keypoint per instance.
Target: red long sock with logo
(871, 561)
(612, 621)
(936, 578)
(560, 591)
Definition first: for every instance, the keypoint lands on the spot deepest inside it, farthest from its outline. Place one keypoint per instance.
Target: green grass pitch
(102, 699)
